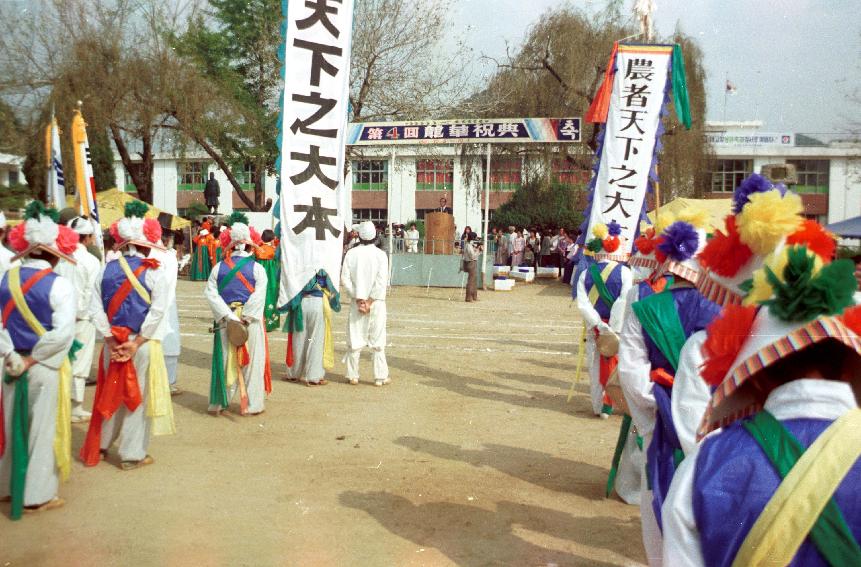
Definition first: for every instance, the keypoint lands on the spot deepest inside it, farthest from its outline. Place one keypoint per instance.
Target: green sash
(235, 270)
(659, 318)
(20, 442)
(830, 534)
(617, 454)
(599, 284)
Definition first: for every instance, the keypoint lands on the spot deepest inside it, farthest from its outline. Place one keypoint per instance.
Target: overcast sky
(792, 61)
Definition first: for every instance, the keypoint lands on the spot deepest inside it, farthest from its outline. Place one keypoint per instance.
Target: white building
(398, 182)
(10, 170)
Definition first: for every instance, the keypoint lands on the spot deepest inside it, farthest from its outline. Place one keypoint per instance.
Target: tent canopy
(718, 209)
(112, 204)
(849, 228)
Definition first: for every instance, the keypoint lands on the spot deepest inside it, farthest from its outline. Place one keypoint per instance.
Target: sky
(793, 62)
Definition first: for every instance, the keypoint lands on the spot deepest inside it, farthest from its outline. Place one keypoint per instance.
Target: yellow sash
(799, 500)
(138, 287)
(328, 342)
(63, 435)
(605, 275)
(159, 407)
(232, 354)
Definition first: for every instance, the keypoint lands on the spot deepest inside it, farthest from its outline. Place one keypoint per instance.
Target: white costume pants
(632, 466)
(367, 331)
(593, 359)
(652, 539)
(132, 428)
(85, 333)
(253, 373)
(308, 343)
(42, 477)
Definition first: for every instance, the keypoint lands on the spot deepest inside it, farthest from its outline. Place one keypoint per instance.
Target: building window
(570, 173)
(812, 175)
(128, 185)
(13, 178)
(727, 174)
(245, 176)
(506, 174)
(421, 214)
(376, 216)
(191, 175)
(370, 175)
(434, 174)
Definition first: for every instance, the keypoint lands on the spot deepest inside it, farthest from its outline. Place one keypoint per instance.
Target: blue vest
(733, 481)
(38, 299)
(134, 309)
(695, 313)
(235, 290)
(613, 283)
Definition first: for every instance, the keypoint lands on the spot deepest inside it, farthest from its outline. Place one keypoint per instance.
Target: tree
(557, 206)
(557, 71)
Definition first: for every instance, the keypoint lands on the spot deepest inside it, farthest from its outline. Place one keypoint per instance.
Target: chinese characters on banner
(500, 130)
(314, 119)
(629, 138)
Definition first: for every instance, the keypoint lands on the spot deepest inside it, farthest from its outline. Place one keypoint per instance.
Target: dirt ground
(470, 457)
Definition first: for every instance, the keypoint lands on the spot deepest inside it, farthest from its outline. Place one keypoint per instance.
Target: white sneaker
(80, 415)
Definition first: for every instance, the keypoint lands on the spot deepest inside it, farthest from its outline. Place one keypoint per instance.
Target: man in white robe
(84, 275)
(35, 361)
(168, 331)
(240, 298)
(364, 276)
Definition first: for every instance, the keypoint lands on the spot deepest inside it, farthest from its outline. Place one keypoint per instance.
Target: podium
(439, 233)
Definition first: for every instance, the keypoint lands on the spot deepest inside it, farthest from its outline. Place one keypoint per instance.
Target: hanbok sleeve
(590, 316)
(159, 301)
(681, 536)
(690, 392)
(381, 278)
(617, 312)
(634, 367)
(97, 309)
(346, 277)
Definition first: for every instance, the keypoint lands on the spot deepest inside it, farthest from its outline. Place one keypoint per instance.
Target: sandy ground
(470, 457)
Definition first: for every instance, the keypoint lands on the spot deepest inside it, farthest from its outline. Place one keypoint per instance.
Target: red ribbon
(662, 377)
(600, 107)
(118, 386)
(290, 350)
(606, 366)
(267, 372)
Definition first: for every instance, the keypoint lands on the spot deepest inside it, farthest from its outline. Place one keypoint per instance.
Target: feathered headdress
(40, 231)
(238, 231)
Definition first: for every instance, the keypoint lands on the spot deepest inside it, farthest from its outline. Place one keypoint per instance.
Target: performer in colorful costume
(236, 291)
(5, 254)
(654, 329)
(167, 334)
(310, 343)
(84, 274)
(267, 256)
(764, 217)
(203, 257)
(130, 301)
(604, 283)
(780, 484)
(36, 334)
(629, 458)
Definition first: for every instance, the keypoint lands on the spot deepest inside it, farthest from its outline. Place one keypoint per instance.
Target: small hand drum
(237, 333)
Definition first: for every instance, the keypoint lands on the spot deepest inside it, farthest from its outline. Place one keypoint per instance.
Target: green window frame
(434, 174)
(506, 174)
(727, 174)
(191, 175)
(245, 176)
(813, 175)
(370, 175)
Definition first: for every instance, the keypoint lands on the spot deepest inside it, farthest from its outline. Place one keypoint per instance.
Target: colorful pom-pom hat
(680, 244)
(607, 243)
(236, 231)
(40, 232)
(643, 262)
(136, 230)
(796, 299)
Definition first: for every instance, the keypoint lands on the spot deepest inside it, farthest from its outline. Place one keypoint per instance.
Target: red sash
(230, 264)
(116, 387)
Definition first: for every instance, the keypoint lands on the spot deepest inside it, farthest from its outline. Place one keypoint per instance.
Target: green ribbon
(233, 271)
(218, 384)
(20, 442)
(73, 352)
(830, 534)
(617, 454)
(599, 284)
(660, 319)
(295, 321)
(681, 99)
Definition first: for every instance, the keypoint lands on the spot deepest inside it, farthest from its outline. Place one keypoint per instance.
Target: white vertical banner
(639, 87)
(315, 207)
(56, 183)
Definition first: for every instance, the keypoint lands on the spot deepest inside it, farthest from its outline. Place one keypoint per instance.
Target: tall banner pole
(313, 209)
(486, 222)
(85, 181)
(55, 188)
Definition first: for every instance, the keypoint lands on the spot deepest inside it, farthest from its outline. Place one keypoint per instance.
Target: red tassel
(267, 372)
(244, 357)
(726, 336)
(289, 350)
(600, 107)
